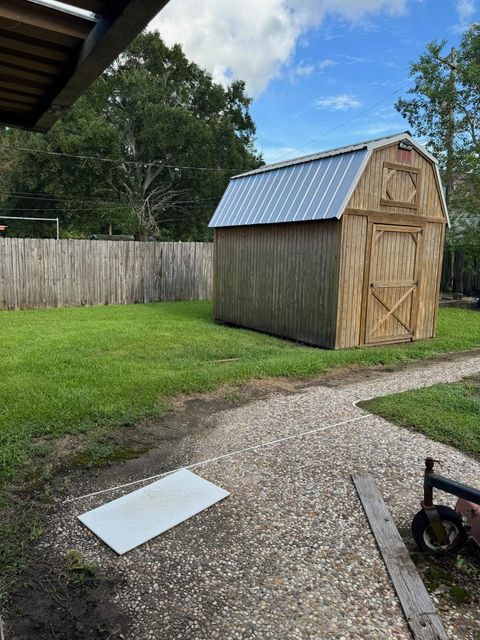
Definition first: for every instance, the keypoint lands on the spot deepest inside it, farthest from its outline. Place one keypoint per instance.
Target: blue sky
(315, 65)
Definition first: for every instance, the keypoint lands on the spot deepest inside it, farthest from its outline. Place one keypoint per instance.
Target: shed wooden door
(392, 285)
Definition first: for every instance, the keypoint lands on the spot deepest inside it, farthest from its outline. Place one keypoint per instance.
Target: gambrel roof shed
(313, 187)
(337, 249)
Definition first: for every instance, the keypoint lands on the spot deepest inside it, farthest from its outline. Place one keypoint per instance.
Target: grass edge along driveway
(68, 371)
(448, 413)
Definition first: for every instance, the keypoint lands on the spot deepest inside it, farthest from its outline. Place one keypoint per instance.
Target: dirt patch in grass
(356, 373)
(64, 599)
(44, 596)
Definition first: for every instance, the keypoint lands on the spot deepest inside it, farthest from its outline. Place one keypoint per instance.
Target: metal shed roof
(313, 187)
(51, 51)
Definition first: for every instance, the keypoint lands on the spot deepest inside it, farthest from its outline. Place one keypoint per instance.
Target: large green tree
(443, 107)
(170, 136)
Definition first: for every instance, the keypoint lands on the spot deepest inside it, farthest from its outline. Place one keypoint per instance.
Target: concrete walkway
(290, 554)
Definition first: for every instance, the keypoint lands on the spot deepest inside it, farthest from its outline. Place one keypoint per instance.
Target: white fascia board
(65, 7)
(354, 184)
(442, 195)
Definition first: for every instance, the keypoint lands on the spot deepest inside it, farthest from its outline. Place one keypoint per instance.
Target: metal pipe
(24, 218)
(455, 488)
(57, 220)
(427, 489)
(429, 508)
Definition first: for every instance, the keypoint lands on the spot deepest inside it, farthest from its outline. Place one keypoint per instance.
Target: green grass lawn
(445, 412)
(70, 370)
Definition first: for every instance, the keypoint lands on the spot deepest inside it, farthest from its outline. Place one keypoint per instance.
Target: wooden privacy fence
(69, 273)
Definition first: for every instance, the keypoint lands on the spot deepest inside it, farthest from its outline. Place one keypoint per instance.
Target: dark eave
(49, 57)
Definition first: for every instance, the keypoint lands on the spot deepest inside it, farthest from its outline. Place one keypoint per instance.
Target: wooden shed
(338, 249)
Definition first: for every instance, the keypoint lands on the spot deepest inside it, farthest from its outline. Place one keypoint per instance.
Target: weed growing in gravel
(103, 454)
(76, 569)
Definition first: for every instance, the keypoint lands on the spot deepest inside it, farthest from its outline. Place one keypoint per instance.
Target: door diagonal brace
(391, 310)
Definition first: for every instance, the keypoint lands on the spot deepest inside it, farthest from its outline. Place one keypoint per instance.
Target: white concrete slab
(131, 520)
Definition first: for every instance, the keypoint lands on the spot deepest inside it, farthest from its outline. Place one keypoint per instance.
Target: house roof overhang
(51, 52)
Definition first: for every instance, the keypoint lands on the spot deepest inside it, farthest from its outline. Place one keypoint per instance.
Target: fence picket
(37, 273)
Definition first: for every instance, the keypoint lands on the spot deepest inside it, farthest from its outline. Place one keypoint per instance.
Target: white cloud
(272, 154)
(342, 102)
(300, 71)
(465, 10)
(328, 62)
(378, 129)
(304, 70)
(252, 39)
(357, 60)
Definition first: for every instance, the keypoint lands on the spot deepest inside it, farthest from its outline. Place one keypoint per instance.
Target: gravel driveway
(290, 553)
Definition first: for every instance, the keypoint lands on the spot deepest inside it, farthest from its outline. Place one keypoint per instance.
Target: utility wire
(342, 124)
(117, 160)
(43, 194)
(229, 454)
(191, 214)
(54, 196)
(61, 199)
(159, 222)
(57, 209)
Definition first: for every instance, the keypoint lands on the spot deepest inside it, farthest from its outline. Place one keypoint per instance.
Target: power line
(43, 194)
(345, 122)
(57, 209)
(18, 195)
(115, 203)
(155, 163)
(36, 196)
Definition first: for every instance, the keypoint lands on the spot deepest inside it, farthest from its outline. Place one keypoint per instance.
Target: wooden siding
(67, 273)
(281, 279)
(429, 284)
(370, 189)
(350, 288)
(364, 209)
(354, 273)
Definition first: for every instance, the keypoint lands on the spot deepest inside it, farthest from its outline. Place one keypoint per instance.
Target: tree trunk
(458, 274)
(141, 236)
(445, 280)
(476, 277)
(467, 282)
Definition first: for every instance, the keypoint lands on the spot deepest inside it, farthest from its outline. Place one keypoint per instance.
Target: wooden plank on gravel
(417, 605)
